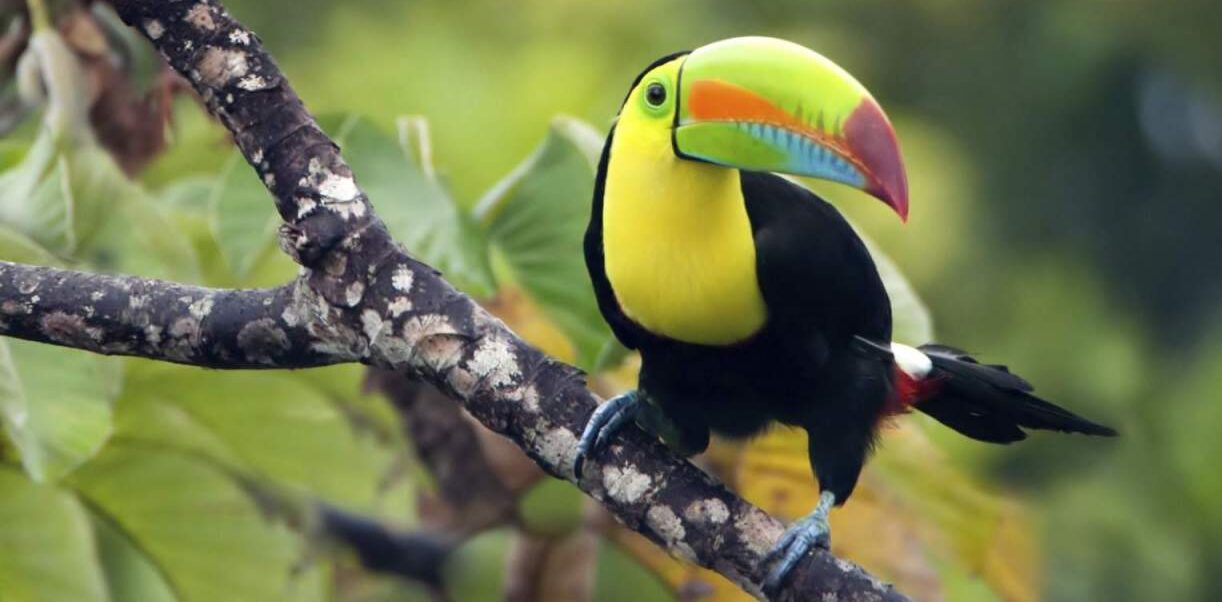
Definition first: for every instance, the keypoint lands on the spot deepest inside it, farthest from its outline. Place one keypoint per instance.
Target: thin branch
(417, 556)
(119, 315)
(373, 300)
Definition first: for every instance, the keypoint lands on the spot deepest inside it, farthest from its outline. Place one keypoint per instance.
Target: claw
(603, 424)
(809, 532)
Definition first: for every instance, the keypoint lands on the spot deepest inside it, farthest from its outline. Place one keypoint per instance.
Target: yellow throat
(677, 241)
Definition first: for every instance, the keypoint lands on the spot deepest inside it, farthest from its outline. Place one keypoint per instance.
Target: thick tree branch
(117, 315)
(371, 299)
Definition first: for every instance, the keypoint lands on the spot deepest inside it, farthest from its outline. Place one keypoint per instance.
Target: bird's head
(763, 104)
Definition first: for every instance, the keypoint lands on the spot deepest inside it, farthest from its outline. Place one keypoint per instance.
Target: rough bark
(393, 312)
(213, 328)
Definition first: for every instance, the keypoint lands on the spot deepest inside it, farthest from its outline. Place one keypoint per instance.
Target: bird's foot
(603, 424)
(811, 531)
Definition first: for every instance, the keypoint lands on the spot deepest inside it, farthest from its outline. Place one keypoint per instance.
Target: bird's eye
(655, 94)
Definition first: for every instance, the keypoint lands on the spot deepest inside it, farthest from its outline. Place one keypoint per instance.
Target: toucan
(750, 299)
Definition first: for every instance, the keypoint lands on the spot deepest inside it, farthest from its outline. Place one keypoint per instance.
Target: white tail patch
(912, 361)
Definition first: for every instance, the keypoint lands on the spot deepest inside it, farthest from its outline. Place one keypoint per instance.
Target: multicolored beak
(764, 104)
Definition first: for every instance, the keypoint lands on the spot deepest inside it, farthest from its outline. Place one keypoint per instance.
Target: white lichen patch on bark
(667, 525)
(221, 66)
(626, 485)
(757, 530)
(290, 316)
(399, 306)
(844, 565)
(202, 308)
(708, 511)
(339, 192)
(433, 342)
(305, 205)
(494, 362)
(253, 82)
(153, 28)
(354, 293)
(530, 399)
(402, 279)
(200, 16)
(371, 325)
(557, 445)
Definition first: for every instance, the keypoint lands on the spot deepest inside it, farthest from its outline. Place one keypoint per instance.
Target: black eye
(655, 94)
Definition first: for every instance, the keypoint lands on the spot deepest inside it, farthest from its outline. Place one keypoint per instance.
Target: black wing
(814, 271)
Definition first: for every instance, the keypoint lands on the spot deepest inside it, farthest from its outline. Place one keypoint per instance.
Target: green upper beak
(764, 104)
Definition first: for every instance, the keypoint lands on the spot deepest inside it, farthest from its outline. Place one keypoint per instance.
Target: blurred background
(1065, 160)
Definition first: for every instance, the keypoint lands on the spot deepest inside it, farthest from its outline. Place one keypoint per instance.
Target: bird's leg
(812, 530)
(604, 422)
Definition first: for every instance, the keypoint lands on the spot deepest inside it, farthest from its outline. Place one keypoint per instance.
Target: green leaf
(244, 217)
(204, 534)
(417, 209)
(265, 425)
(130, 575)
(536, 217)
(32, 199)
(19, 248)
(62, 197)
(55, 404)
(46, 544)
(140, 238)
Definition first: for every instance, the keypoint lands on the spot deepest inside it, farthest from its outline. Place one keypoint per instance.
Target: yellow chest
(678, 247)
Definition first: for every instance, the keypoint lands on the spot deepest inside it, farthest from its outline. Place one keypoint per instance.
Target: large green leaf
(46, 544)
(61, 195)
(266, 425)
(421, 214)
(19, 248)
(32, 199)
(244, 216)
(55, 404)
(141, 238)
(536, 218)
(204, 533)
(130, 574)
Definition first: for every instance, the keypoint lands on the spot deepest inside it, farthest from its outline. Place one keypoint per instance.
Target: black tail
(988, 403)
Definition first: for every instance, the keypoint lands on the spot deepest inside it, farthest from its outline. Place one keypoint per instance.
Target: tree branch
(117, 315)
(418, 556)
(397, 313)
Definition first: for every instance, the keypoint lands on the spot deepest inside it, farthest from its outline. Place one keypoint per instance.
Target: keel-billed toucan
(750, 299)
